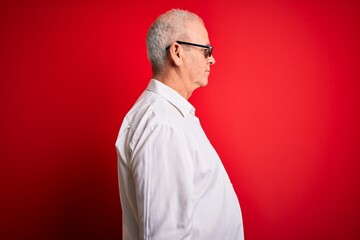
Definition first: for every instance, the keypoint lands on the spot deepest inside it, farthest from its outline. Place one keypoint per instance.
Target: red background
(282, 108)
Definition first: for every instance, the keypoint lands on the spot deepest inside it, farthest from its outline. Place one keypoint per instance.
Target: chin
(204, 82)
(201, 83)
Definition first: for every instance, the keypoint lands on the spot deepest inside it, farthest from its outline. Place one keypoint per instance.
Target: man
(172, 182)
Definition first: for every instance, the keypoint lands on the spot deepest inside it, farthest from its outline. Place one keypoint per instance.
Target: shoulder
(152, 110)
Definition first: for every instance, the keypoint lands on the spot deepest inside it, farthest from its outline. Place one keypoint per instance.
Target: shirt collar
(171, 96)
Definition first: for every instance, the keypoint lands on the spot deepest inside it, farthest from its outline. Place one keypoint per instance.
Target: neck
(174, 81)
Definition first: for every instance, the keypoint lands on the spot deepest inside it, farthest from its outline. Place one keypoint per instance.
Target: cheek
(200, 65)
(199, 72)
(198, 68)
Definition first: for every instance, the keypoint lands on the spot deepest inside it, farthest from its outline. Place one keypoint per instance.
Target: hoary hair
(166, 29)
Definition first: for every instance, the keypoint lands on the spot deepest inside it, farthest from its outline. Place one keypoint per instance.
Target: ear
(176, 54)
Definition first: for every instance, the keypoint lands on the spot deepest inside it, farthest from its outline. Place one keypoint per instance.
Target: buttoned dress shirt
(172, 182)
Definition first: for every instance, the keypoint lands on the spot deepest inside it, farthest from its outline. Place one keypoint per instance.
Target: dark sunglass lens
(208, 52)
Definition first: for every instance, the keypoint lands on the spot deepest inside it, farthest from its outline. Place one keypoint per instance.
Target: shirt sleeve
(163, 174)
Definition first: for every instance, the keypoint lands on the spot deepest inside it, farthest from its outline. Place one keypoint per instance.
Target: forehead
(197, 32)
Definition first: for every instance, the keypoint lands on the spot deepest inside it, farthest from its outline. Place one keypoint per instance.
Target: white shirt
(172, 182)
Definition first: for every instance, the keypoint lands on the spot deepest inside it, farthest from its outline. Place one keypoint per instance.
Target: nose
(212, 60)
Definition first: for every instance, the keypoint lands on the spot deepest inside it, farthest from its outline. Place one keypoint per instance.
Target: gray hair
(167, 28)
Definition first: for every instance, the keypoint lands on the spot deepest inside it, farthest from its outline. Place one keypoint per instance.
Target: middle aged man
(172, 182)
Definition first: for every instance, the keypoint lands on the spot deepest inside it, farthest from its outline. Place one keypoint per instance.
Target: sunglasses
(208, 48)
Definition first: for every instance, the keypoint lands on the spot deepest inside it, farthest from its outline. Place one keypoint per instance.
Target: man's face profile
(196, 64)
